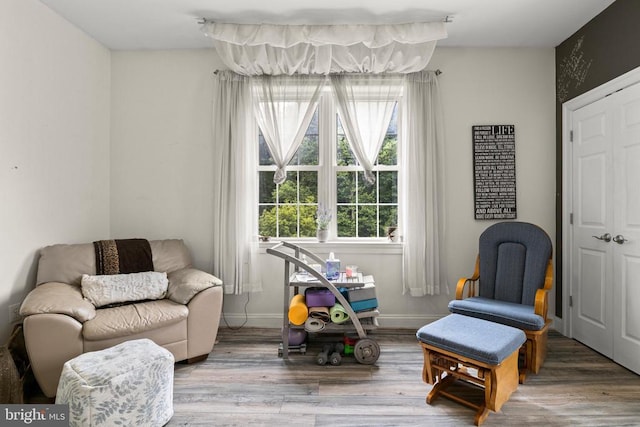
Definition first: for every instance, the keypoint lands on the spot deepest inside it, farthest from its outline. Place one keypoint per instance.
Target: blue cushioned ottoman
(476, 351)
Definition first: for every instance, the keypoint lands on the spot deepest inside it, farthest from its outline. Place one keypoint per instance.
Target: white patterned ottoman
(130, 384)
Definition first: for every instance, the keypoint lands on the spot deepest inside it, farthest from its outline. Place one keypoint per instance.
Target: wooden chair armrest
(542, 302)
(548, 277)
(471, 280)
(541, 305)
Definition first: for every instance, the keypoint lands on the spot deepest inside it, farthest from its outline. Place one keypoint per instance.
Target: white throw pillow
(119, 288)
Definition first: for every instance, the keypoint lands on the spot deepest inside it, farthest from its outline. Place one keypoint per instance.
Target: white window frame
(327, 168)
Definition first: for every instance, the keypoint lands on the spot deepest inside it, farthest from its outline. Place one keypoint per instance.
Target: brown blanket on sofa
(123, 256)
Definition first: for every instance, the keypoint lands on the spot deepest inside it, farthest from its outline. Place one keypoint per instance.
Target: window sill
(378, 246)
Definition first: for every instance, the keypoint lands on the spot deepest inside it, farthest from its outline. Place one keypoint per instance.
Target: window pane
(308, 152)
(346, 221)
(388, 217)
(265, 155)
(366, 191)
(388, 185)
(288, 190)
(346, 187)
(288, 220)
(267, 221)
(267, 187)
(344, 155)
(388, 154)
(308, 220)
(367, 221)
(308, 186)
(288, 210)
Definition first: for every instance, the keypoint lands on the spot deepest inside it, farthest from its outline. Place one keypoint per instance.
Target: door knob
(606, 237)
(619, 239)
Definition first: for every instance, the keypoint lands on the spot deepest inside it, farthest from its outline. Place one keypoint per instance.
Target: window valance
(323, 49)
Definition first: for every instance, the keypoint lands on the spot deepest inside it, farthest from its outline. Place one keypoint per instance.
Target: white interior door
(626, 240)
(591, 295)
(606, 246)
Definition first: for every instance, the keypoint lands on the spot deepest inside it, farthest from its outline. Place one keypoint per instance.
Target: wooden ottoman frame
(442, 367)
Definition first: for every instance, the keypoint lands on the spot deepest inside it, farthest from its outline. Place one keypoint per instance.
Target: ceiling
(173, 24)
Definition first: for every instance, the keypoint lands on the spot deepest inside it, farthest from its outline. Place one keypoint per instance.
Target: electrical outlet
(14, 313)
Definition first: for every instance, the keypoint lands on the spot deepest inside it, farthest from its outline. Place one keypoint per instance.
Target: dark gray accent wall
(605, 48)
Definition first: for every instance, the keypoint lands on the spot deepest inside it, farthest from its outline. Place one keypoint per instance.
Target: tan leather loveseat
(60, 324)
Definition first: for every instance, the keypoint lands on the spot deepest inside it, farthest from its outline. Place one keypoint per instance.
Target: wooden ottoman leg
(504, 381)
(481, 415)
(427, 372)
(439, 388)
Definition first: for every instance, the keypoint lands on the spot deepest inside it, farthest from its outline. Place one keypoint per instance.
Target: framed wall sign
(494, 171)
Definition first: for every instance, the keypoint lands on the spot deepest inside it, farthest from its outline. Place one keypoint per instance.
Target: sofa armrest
(186, 283)
(51, 340)
(202, 324)
(58, 298)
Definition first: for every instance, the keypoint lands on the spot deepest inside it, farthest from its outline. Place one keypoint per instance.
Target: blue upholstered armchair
(510, 285)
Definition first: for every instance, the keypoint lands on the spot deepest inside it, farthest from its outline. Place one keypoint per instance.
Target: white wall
(161, 153)
(54, 141)
(161, 182)
(497, 86)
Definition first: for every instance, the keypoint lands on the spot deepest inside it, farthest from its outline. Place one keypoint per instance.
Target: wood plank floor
(244, 382)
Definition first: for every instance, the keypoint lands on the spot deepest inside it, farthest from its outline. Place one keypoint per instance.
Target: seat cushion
(131, 319)
(474, 338)
(507, 313)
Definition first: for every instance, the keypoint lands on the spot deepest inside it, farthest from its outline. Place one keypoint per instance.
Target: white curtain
(322, 49)
(365, 104)
(424, 269)
(284, 107)
(235, 199)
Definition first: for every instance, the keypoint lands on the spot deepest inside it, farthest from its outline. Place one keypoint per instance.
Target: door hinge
(570, 301)
(571, 218)
(570, 136)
